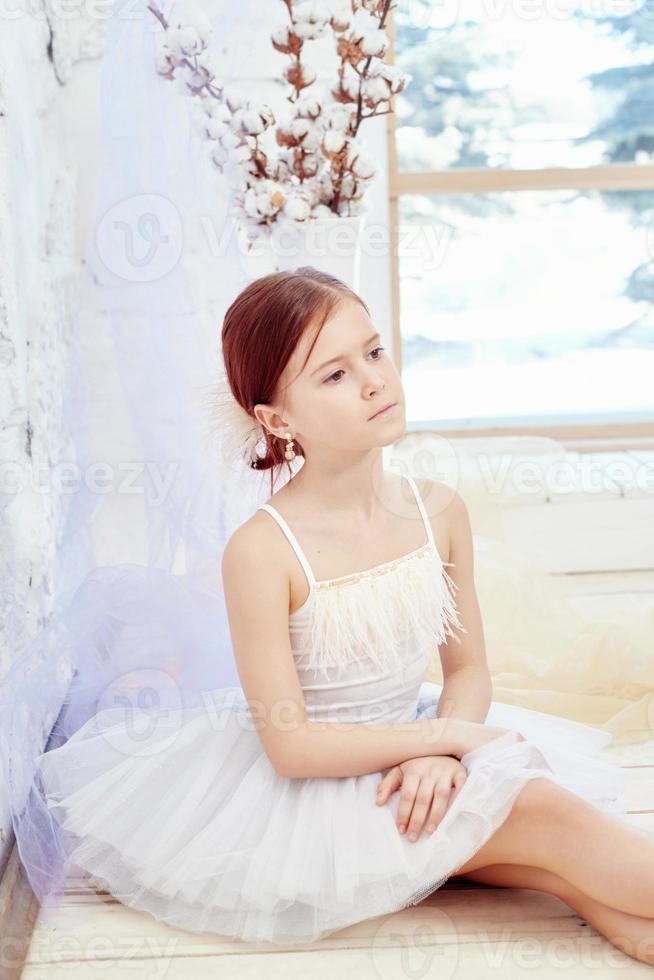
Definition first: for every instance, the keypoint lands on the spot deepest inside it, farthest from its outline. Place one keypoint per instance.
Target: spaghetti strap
(293, 541)
(423, 512)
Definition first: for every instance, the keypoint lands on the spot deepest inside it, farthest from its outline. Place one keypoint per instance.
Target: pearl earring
(290, 452)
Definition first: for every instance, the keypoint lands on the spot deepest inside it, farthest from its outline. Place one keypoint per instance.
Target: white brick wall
(39, 262)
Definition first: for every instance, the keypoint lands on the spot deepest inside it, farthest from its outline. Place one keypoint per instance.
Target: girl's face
(347, 379)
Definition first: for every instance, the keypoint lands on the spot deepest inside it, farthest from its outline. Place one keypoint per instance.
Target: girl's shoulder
(442, 504)
(260, 534)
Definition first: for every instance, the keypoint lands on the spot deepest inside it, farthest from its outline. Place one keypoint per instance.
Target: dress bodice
(362, 643)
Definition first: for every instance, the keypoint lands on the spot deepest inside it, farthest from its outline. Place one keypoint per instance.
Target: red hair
(261, 329)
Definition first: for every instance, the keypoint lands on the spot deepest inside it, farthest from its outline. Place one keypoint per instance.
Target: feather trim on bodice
(372, 616)
(383, 615)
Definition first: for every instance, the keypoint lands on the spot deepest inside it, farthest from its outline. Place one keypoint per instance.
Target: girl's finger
(439, 805)
(408, 793)
(423, 806)
(458, 783)
(389, 784)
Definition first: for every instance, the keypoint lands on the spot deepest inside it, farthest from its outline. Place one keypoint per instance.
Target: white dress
(191, 823)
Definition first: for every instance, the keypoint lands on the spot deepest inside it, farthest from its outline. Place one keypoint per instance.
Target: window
(522, 196)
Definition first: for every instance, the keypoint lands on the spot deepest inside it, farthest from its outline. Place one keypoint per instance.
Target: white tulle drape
(138, 616)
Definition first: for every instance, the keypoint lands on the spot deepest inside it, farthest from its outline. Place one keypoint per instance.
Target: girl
(344, 786)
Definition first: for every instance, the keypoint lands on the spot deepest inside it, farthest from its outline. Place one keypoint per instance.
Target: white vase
(333, 245)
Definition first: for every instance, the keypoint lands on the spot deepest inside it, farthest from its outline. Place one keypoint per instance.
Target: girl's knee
(542, 797)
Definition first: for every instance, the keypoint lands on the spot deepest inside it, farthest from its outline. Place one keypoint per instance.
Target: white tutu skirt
(182, 815)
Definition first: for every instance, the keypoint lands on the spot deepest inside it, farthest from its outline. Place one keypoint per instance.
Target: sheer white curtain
(139, 615)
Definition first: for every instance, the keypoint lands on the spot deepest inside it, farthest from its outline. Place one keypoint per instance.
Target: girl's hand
(427, 783)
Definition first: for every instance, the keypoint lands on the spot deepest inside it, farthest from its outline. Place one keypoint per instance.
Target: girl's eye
(334, 375)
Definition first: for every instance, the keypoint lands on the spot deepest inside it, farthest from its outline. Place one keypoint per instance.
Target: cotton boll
(280, 169)
(306, 133)
(217, 110)
(219, 155)
(300, 128)
(252, 122)
(374, 90)
(185, 41)
(363, 6)
(215, 128)
(307, 107)
(337, 117)
(193, 13)
(350, 81)
(347, 186)
(311, 142)
(374, 44)
(309, 20)
(364, 23)
(309, 32)
(237, 119)
(273, 203)
(322, 211)
(250, 203)
(242, 153)
(164, 60)
(396, 79)
(310, 164)
(309, 75)
(284, 137)
(299, 75)
(324, 188)
(207, 101)
(297, 206)
(281, 39)
(266, 200)
(233, 98)
(340, 21)
(230, 139)
(204, 28)
(198, 117)
(364, 166)
(266, 113)
(333, 141)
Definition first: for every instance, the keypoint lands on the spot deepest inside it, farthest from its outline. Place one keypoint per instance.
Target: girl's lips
(383, 413)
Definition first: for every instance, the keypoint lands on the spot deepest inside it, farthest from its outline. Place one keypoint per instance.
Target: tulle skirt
(181, 814)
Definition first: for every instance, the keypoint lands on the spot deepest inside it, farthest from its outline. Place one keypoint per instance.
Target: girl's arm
(256, 583)
(467, 684)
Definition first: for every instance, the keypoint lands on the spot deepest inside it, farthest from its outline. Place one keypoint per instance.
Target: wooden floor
(463, 930)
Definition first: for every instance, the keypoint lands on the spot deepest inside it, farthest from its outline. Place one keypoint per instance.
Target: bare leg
(633, 934)
(596, 852)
